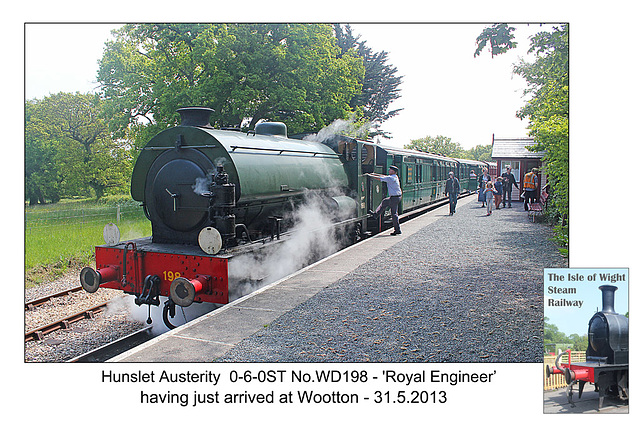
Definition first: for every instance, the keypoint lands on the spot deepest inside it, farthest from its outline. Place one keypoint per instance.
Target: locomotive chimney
(608, 292)
(195, 116)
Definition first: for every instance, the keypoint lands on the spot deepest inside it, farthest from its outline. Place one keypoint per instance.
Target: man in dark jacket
(507, 181)
(452, 188)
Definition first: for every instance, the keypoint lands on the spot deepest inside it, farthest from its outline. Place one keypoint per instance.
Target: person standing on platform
(530, 184)
(482, 184)
(393, 199)
(472, 177)
(498, 187)
(452, 189)
(508, 180)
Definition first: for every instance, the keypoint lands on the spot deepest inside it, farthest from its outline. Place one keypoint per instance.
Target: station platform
(460, 288)
(556, 402)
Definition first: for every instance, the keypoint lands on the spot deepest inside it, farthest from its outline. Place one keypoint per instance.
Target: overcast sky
(446, 91)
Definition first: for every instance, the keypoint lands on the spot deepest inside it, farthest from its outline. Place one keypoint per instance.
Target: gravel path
(467, 288)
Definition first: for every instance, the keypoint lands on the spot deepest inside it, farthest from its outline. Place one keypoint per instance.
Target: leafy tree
(580, 342)
(244, 72)
(67, 133)
(548, 108)
(553, 336)
(381, 84)
(439, 145)
(500, 38)
(479, 152)
(42, 180)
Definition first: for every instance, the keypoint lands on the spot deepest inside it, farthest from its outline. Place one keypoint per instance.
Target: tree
(42, 180)
(244, 72)
(381, 84)
(479, 152)
(580, 342)
(500, 38)
(68, 133)
(553, 336)
(439, 145)
(548, 108)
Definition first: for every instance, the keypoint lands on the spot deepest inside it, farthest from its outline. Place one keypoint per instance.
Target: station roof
(514, 148)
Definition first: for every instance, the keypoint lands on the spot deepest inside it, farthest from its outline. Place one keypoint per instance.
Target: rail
(39, 332)
(30, 305)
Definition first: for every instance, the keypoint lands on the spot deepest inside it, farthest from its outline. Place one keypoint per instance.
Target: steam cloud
(313, 236)
(342, 127)
(201, 186)
(140, 313)
(311, 239)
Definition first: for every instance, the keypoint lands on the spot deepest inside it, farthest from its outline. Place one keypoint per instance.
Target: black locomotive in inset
(607, 364)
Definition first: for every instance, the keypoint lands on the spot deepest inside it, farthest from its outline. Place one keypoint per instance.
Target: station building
(513, 152)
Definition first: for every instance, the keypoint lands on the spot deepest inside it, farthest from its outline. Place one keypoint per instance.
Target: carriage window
(410, 174)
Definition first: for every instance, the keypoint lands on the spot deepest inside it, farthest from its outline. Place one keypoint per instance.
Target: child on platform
(489, 191)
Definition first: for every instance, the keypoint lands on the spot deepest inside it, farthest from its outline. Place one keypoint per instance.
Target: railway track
(30, 305)
(39, 332)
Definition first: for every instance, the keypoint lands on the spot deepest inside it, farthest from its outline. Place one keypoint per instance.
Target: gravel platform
(466, 288)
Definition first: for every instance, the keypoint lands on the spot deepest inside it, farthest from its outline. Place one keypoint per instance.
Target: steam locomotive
(211, 194)
(607, 364)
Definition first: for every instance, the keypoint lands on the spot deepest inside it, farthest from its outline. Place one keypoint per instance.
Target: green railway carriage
(468, 173)
(422, 175)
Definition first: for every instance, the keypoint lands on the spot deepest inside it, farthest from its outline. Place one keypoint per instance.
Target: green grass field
(63, 235)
